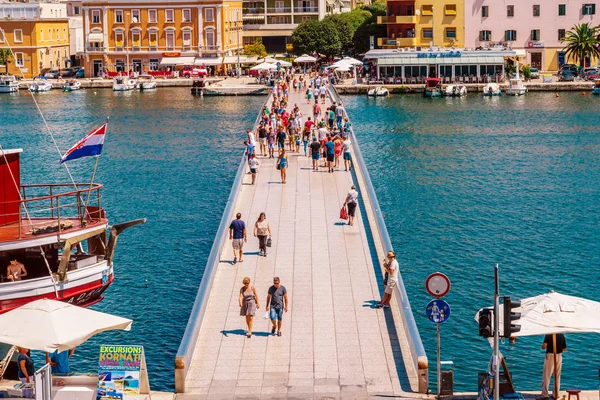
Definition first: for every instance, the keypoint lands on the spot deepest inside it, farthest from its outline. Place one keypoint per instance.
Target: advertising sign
(122, 372)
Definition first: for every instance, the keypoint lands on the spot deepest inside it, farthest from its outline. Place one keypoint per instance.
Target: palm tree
(582, 42)
(5, 58)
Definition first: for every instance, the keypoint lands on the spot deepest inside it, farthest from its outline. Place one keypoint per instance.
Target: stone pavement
(334, 344)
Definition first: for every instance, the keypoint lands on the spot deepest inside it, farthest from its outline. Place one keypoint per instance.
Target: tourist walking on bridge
(277, 302)
(237, 234)
(282, 165)
(346, 143)
(351, 202)
(262, 230)
(390, 265)
(248, 300)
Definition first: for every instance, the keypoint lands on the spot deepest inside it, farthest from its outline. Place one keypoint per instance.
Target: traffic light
(485, 322)
(510, 316)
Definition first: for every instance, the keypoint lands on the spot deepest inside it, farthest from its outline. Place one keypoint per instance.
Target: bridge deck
(333, 343)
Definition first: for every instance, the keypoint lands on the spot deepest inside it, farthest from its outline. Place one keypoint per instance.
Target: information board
(122, 373)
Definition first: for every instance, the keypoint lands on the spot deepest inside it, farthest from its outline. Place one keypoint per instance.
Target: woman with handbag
(262, 230)
(248, 301)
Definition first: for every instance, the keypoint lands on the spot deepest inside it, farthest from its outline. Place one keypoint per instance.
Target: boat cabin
(433, 83)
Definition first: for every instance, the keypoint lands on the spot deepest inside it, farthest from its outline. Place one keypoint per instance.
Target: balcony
(396, 42)
(208, 49)
(279, 10)
(306, 10)
(253, 11)
(95, 49)
(397, 19)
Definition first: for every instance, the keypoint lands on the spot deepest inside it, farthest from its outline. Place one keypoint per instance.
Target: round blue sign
(438, 311)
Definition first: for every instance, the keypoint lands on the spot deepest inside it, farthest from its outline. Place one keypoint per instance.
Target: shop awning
(209, 61)
(520, 52)
(177, 61)
(465, 60)
(95, 37)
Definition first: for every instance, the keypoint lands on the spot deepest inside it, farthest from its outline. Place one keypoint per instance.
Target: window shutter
(594, 9)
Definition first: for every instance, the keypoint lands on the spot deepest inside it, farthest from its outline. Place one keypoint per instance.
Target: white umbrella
(274, 61)
(340, 64)
(49, 325)
(263, 67)
(351, 61)
(305, 58)
(343, 68)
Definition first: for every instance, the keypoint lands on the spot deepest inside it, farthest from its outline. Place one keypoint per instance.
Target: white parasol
(351, 61)
(305, 58)
(344, 68)
(49, 325)
(263, 67)
(274, 61)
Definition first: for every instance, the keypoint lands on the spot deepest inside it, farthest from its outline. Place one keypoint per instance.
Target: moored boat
(71, 85)
(8, 84)
(515, 85)
(492, 89)
(146, 82)
(123, 83)
(53, 241)
(433, 87)
(455, 90)
(378, 92)
(40, 86)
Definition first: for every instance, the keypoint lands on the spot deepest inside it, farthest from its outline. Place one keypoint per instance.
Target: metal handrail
(416, 345)
(192, 330)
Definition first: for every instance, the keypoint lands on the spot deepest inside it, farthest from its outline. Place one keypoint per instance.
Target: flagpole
(87, 200)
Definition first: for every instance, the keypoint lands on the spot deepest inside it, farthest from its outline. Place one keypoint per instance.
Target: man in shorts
(390, 265)
(262, 139)
(329, 153)
(315, 148)
(277, 303)
(346, 144)
(237, 234)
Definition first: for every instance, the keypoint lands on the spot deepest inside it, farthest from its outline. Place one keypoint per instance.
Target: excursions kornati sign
(442, 55)
(122, 373)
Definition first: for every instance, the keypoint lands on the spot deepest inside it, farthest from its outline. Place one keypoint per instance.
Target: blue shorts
(276, 314)
(316, 156)
(281, 145)
(347, 156)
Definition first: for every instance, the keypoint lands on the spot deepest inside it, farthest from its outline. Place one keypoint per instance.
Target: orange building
(124, 35)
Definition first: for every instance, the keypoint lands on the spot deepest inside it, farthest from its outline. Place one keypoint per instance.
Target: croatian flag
(91, 145)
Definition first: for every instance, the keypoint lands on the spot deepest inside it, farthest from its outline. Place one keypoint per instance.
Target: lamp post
(237, 28)
(127, 43)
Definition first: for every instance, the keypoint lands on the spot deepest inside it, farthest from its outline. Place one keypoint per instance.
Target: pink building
(533, 28)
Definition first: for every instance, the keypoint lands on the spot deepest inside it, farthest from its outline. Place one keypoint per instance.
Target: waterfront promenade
(334, 343)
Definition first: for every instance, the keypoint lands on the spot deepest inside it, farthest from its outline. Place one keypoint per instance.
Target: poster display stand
(122, 373)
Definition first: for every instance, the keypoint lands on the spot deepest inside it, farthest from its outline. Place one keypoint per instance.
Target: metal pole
(439, 364)
(496, 362)
(127, 43)
(237, 28)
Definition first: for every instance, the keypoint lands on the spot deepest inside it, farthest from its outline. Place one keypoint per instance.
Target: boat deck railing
(192, 330)
(419, 357)
(48, 208)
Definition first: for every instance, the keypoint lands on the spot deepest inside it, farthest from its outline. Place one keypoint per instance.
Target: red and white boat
(59, 233)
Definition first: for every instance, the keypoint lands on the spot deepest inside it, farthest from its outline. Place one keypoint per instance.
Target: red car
(194, 72)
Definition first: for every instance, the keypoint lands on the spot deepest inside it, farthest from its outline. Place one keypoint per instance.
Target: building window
(118, 16)
(64, 36)
(510, 11)
(536, 10)
(135, 16)
(154, 64)
(589, 9)
(20, 59)
(427, 9)
(428, 33)
(120, 65)
(485, 36)
(187, 40)
(136, 40)
(76, 10)
(510, 36)
(169, 15)
(95, 16)
(450, 9)
(306, 18)
(209, 15)
(279, 6)
(450, 33)
(50, 34)
(562, 9)
(152, 16)
(18, 35)
(485, 11)
(535, 34)
(561, 34)
(170, 40)
(210, 38)
(153, 38)
(119, 40)
(2, 36)
(186, 15)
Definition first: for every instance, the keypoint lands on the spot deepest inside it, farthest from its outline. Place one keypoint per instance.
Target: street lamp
(127, 42)
(237, 28)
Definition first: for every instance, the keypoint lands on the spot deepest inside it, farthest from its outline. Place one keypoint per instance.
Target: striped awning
(96, 38)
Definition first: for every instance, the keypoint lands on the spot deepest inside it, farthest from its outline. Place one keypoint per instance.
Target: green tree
(356, 17)
(582, 42)
(255, 49)
(362, 36)
(378, 7)
(344, 29)
(526, 72)
(5, 58)
(317, 36)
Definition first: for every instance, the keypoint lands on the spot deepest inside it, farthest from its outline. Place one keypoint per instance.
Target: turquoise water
(468, 183)
(463, 183)
(169, 157)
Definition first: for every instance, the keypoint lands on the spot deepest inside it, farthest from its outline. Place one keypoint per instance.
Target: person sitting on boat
(15, 270)
(60, 361)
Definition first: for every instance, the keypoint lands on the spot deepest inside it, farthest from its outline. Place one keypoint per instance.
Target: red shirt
(308, 124)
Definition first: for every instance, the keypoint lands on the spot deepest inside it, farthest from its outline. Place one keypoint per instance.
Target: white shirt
(251, 138)
(323, 89)
(253, 163)
(393, 266)
(346, 145)
(316, 92)
(352, 196)
(322, 134)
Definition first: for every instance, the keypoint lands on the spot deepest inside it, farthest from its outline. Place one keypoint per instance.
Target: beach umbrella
(351, 61)
(263, 67)
(49, 325)
(344, 68)
(272, 60)
(305, 58)
(553, 313)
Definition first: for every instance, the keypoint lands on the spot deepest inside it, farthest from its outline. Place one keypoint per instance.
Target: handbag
(343, 213)
(269, 241)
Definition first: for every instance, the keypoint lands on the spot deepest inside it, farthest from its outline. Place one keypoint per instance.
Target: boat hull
(8, 89)
(433, 93)
(596, 91)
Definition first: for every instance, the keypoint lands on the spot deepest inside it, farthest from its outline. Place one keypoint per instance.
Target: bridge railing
(419, 356)
(192, 330)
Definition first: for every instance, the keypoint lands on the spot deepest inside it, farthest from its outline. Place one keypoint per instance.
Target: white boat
(71, 85)
(455, 90)
(492, 89)
(8, 84)
(515, 85)
(123, 83)
(146, 82)
(40, 86)
(378, 92)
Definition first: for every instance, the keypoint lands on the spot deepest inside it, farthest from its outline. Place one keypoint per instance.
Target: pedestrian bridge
(334, 344)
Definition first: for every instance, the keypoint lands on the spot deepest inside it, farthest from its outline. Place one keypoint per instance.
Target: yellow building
(124, 35)
(38, 34)
(424, 22)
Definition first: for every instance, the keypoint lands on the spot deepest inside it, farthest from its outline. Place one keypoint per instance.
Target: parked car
(566, 76)
(80, 73)
(50, 73)
(590, 73)
(535, 74)
(69, 72)
(194, 72)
